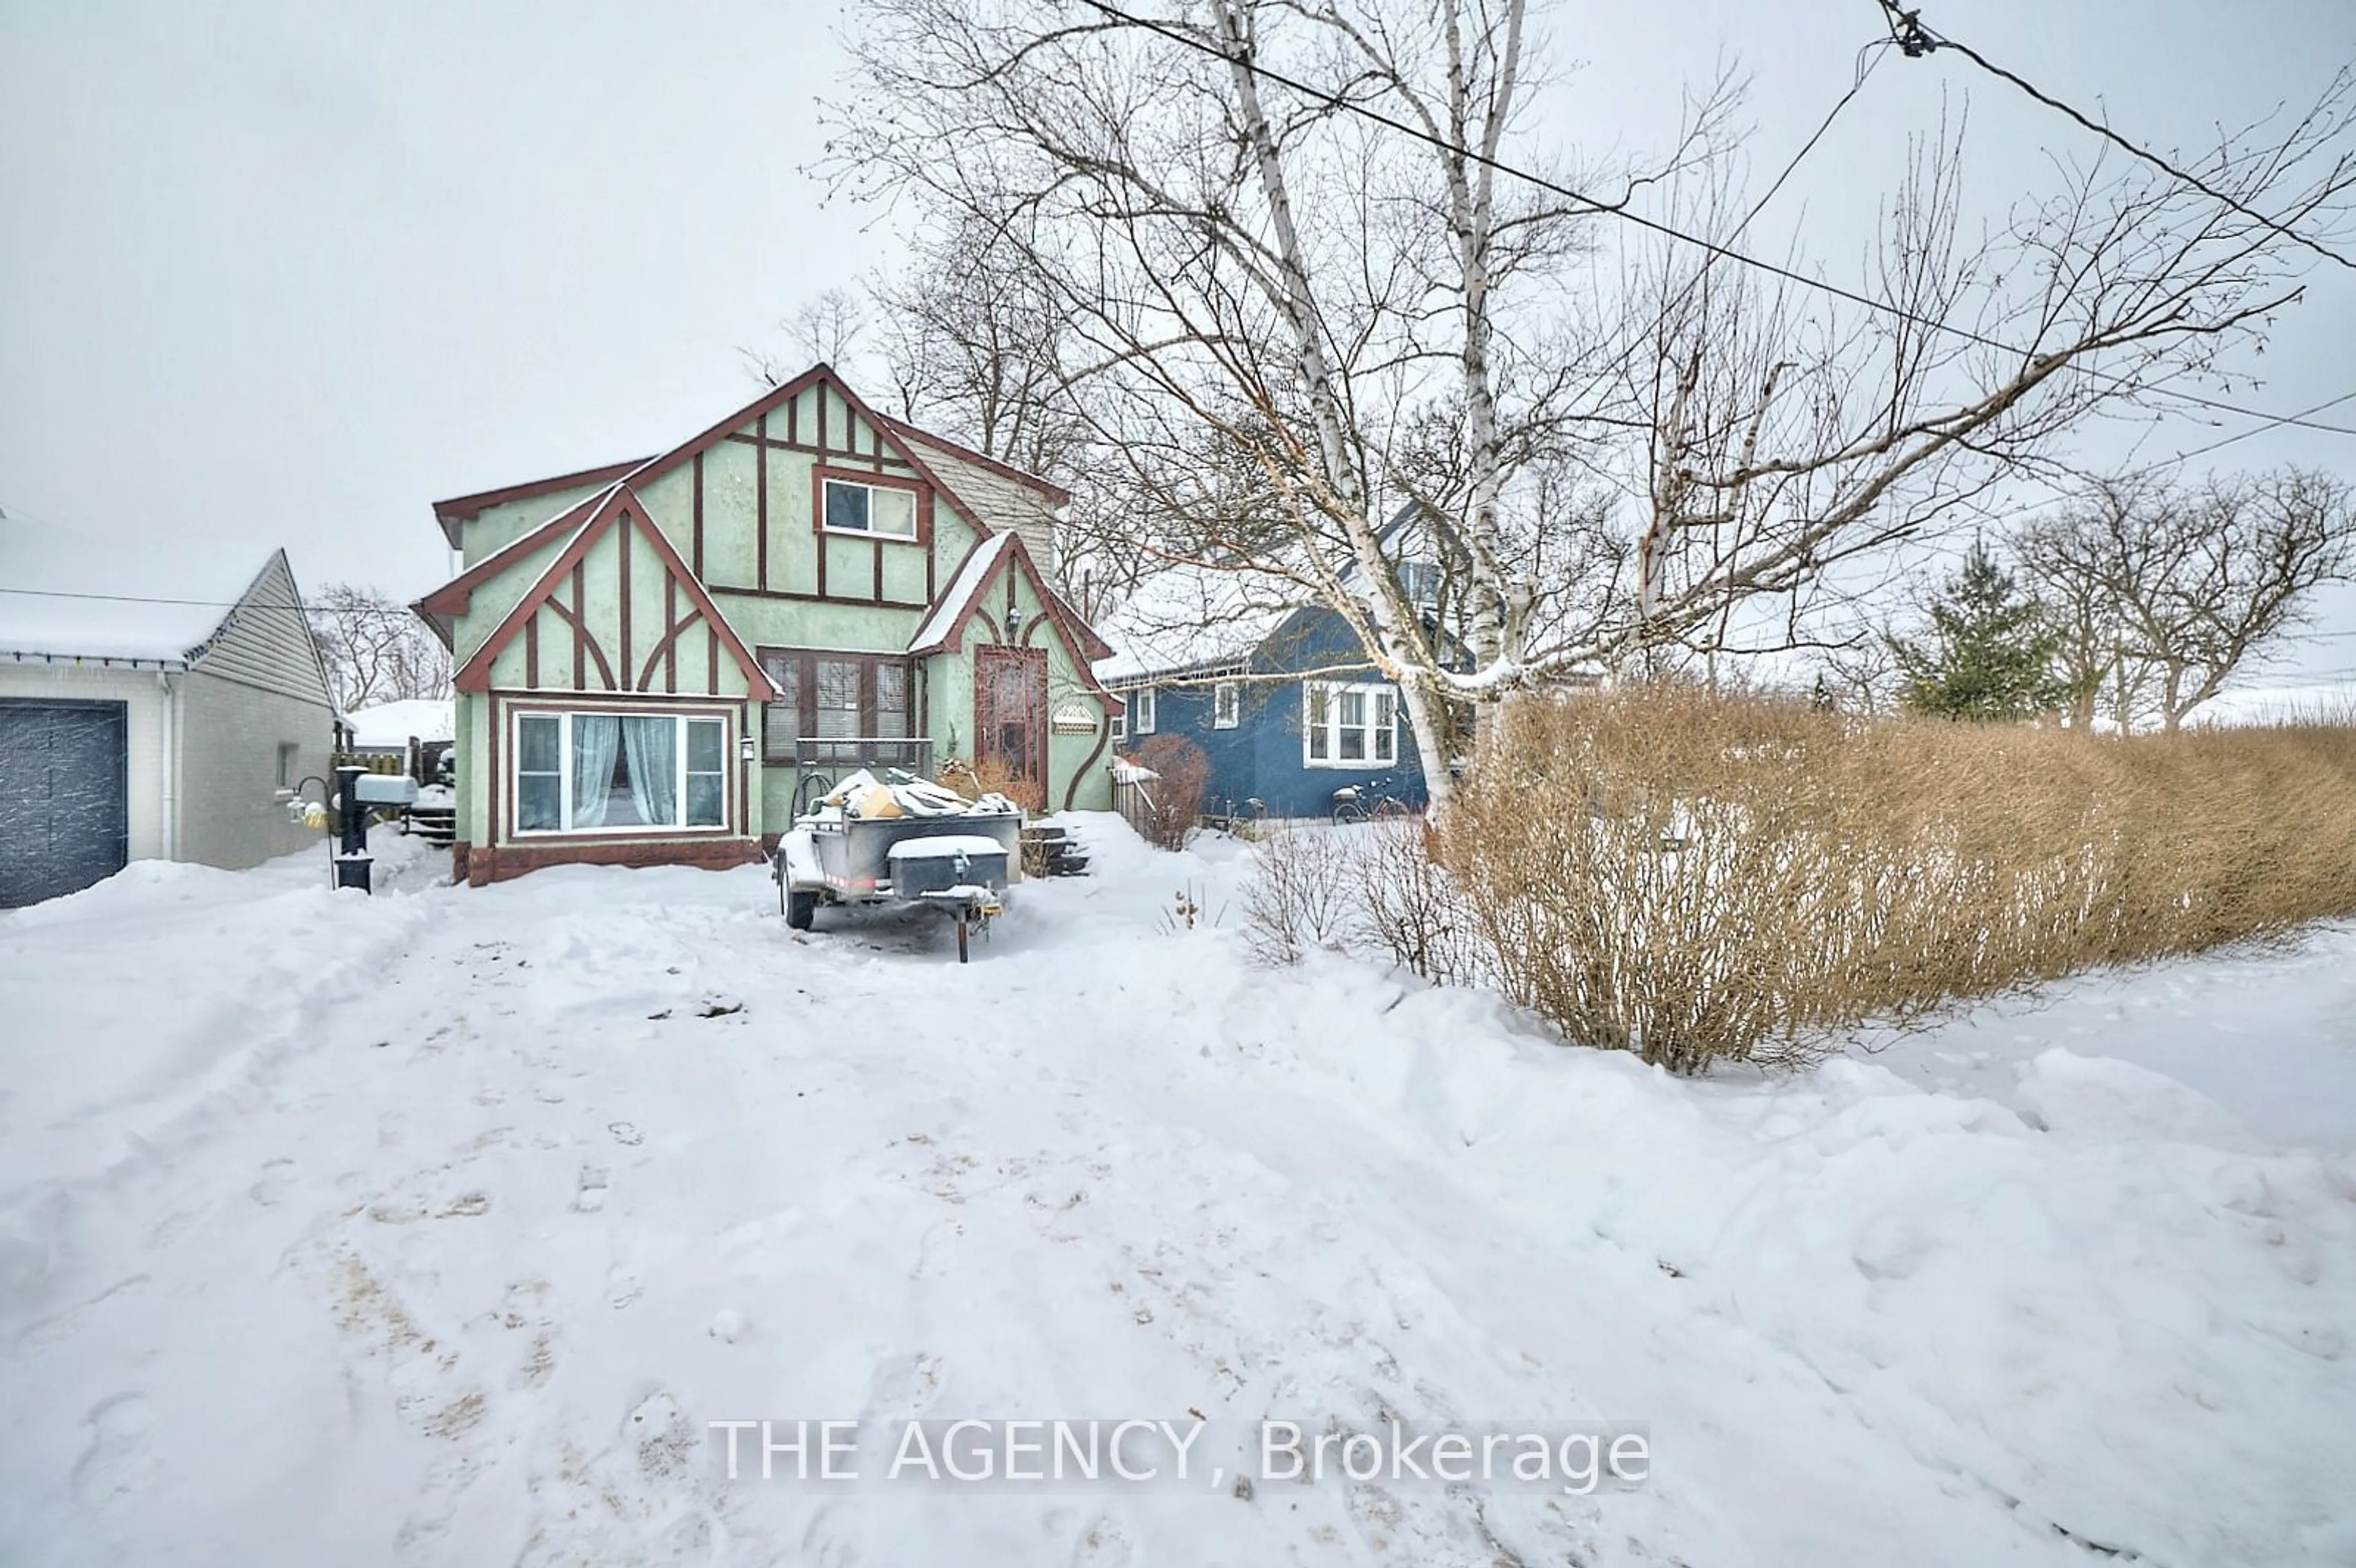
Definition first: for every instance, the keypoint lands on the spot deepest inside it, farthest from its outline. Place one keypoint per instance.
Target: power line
(1914, 40)
(2270, 425)
(1619, 210)
(150, 599)
(1867, 58)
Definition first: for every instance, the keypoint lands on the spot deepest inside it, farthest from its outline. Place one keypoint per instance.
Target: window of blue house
(1143, 723)
(1226, 705)
(1348, 725)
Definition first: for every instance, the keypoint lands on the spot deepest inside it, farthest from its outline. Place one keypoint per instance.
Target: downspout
(170, 764)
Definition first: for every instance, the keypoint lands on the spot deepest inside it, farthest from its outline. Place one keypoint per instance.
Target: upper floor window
(1143, 699)
(885, 509)
(1349, 725)
(1226, 705)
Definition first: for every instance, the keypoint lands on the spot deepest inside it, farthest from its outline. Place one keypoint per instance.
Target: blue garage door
(63, 823)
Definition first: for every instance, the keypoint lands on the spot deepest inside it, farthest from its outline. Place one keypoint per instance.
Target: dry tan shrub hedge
(1692, 875)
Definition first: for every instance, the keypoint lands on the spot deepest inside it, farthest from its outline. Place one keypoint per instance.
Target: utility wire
(149, 599)
(2270, 425)
(1867, 58)
(1914, 40)
(1619, 210)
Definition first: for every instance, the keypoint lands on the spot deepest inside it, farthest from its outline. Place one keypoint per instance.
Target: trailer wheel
(801, 908)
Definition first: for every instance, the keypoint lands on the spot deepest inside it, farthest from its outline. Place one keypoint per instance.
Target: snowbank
(438, 1227)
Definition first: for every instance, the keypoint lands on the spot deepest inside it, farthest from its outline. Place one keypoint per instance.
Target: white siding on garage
(231, 733)
(265, 642)
(256, 687)
(253, 686)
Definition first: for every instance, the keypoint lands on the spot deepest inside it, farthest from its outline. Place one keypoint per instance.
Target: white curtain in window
(654, 768)
(595, 738)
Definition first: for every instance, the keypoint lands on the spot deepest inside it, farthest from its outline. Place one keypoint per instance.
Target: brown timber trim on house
(622, 510)
(460, 509)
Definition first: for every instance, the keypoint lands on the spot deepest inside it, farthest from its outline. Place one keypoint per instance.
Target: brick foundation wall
(479, 867)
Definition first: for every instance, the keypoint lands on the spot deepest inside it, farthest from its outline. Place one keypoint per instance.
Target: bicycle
(1369, 800)
(1236, 818)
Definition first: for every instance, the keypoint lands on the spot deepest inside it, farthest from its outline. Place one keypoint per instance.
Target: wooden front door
(1009, 723)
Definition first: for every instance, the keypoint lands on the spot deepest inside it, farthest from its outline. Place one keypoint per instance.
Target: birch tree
(1279, 296)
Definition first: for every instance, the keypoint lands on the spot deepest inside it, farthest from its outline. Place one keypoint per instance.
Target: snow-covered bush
(1374, 889)
(1305, 891)
(1409, 906)
(1692, 875)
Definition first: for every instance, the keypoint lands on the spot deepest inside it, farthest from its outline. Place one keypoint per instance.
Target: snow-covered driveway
(437, 1228)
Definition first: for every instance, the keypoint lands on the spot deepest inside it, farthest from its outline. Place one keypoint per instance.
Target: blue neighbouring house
(1280, 698)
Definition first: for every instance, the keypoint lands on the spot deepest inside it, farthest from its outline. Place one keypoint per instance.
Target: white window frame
(1227, 704)
(1120, 723)
(915, 525)
(1377, 693)
(1146, 715)
(564, 717)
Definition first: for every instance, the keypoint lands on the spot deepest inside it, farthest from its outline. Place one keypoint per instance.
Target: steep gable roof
(71, 595)
(442, 607)
(944, 627)
(778, 397)
(1002, 496)
(620, 508)
(993, 495)
(1187, 618)
(461, 509)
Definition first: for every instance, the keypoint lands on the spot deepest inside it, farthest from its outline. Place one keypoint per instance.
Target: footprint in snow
(277, 1178)
(589, 1195)
(831, 1540)
(117, 1462)
(625, 1134)
(904, 1385)
(1104, 1542)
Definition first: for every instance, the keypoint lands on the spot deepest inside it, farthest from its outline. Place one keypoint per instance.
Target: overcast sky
(285, 273)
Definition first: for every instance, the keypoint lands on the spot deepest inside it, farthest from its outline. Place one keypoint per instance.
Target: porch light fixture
(746, 749)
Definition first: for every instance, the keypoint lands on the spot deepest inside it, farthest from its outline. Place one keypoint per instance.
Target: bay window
(1349, 725)
(602, 772)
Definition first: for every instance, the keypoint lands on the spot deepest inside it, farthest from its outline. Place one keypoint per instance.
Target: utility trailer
(960, 862)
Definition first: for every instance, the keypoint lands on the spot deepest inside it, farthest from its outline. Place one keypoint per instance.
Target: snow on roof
(1194, 617)
(963, 589)
(101, 596)
(390, 724)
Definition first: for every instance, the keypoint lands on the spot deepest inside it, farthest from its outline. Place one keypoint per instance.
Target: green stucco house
(658, 659)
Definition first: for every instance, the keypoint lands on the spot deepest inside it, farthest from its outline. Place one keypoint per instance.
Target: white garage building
(149, 709)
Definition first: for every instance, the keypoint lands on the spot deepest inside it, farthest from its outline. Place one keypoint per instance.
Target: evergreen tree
(1991, 654)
